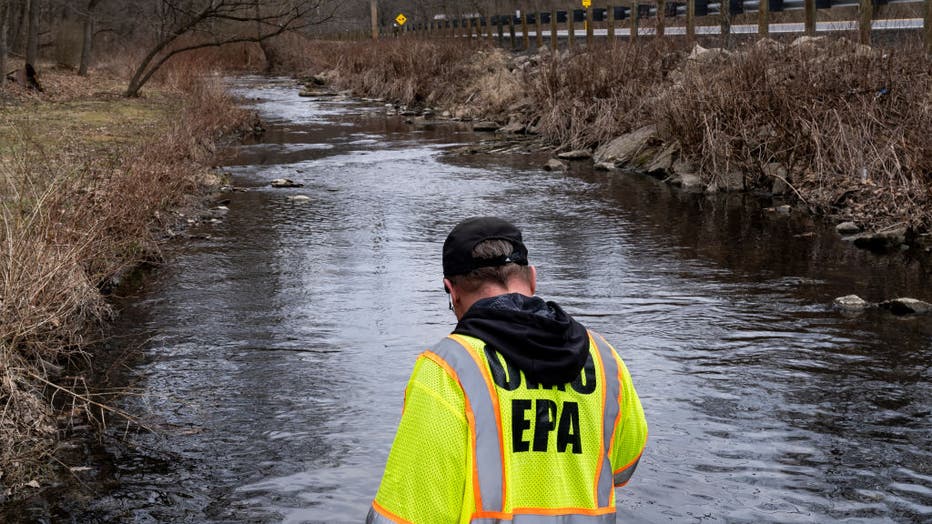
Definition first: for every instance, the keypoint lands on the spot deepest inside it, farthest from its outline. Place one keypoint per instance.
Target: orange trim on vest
(470, 421)
(388, 514)
(496, 408)
(492, 515)
(621, 394)
(628, 465)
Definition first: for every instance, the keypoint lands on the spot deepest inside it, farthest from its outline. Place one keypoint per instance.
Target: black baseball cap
(457, 249)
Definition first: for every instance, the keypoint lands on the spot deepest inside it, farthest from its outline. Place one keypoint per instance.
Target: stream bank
(276, 345)
(95, 185)
(831, 127)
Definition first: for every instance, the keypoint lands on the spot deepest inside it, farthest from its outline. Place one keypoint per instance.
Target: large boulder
(284, 183)
(662, 163)
(847, 228)
(881, 241)
(555, 165)
(299, 199)
(700, 54)
(851, 303)
(729, 181)
(576, 154)
(485, 126)
(624, 148)
(778, 174)
(907, 306)
(514, 128)
(807, 41)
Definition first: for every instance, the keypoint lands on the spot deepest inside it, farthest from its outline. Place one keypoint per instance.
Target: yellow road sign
(587, 3)
(401, 19)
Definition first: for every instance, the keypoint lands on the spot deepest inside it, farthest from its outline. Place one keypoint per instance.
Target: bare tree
(4, 24)
(186, 25)
(88, 39)
(32, 33)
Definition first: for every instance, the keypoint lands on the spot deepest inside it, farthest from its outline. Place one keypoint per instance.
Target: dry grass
(593, 96)
(87, 183)
(432, 73)
(851, 125)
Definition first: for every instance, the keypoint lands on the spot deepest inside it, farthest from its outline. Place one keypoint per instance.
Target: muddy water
(276, 351)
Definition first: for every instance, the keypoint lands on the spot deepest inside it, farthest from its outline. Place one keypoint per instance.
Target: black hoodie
(537, 337)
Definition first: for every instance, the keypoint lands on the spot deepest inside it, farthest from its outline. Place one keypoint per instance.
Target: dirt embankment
(90, 185)
(831, 126)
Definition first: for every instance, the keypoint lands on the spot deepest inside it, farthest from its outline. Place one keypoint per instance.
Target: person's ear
(533, 281)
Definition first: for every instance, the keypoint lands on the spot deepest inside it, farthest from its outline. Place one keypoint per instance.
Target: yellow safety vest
(478, 443)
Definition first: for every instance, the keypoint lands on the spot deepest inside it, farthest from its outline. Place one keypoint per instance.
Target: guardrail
(689, 18)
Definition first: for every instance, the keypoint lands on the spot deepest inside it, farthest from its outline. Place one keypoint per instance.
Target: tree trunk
(267, 52)
(18, 42)
(86, 45)
(88, 41)
(4, 12)
(32, 37)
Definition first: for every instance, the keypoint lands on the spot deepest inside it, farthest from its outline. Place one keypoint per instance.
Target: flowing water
(276, 348)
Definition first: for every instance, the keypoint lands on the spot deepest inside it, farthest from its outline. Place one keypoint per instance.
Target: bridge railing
(634, 19)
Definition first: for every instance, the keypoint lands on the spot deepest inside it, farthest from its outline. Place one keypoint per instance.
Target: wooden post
(809, 11)
(726, 23)
(525, 36)
(611, 23)
(501, 30)
(634, 20)
(661, 17)
(511, 30)
(554, 37)
(539, 27)
(374, 12)
(763, 18)
(928, 27)
(570, 30)
(491, 33)
(588, 23)
(866, 15)
(691, 21)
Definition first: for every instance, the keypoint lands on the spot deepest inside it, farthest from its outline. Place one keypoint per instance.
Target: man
(521, 415)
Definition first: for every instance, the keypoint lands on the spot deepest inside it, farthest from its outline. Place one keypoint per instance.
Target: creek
(276, 347)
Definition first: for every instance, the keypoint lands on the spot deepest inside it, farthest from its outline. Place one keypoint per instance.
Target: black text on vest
(509, 378)
(549, 417)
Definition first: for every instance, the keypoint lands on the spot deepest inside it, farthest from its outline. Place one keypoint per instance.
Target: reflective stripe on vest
(488, 446)
(610, 412)
(374, 517)
(488, 450)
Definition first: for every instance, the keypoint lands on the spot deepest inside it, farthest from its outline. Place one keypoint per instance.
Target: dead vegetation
(850, 126)
(88, 186)
(845, 128)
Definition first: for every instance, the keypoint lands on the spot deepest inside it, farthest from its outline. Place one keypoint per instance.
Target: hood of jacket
(537, 337)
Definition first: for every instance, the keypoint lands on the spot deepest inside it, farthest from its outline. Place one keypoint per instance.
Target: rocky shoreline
(643, 152)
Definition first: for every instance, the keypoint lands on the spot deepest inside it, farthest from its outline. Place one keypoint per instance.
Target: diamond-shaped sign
(401, 19)
(587, 3)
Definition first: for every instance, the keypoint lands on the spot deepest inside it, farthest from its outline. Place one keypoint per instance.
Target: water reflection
(280, 347)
